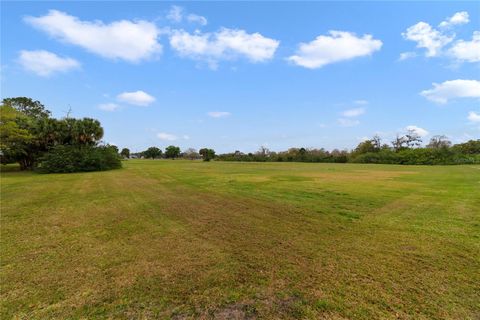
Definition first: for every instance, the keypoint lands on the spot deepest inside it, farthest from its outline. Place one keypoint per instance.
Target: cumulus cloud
(337, 46)
(353, 112)
(166, 136)
(456, 19)
(226, 44)
(127, 40)
(108, 106)
(427, 37)
(419, 131)
(138, 98)
(442, 92)
(473, 116)
(467, 50)
(45, 63)
(218, 114)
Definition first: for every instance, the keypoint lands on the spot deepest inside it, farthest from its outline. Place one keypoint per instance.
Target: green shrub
(69, 158)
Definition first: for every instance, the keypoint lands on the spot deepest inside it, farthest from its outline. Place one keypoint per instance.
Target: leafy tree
(152, 153)
(469, 147)
(29, 132)
(27, 106)
(172, 152)
(125, 153)
(366, 146)
(207, 154)
(11, 134)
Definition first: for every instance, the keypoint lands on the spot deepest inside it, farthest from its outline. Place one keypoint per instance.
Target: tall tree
(125, 153)
(28, 107)
(152, 153)
(207, 154)
(172, 152)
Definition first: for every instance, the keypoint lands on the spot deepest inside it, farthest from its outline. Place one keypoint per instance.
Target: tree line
(30, 136)
(171, 152)
(404, 149)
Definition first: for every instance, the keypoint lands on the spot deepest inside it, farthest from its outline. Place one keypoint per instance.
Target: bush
(68, 158)
(420, 156)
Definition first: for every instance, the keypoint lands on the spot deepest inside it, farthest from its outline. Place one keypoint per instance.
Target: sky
(240, 75)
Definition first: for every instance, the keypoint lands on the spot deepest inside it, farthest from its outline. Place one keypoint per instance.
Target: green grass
(223, 240)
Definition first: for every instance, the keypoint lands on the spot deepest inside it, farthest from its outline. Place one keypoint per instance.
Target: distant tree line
(173, 152)
(404, 149)
(35, 140)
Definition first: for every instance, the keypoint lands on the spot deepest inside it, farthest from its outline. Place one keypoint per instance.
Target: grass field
(221, 240)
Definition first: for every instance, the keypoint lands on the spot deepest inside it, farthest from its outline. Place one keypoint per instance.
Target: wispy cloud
(218, 114)
(353, 112)
(108, 106)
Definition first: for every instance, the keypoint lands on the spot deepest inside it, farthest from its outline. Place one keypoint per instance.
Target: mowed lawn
(222, 240)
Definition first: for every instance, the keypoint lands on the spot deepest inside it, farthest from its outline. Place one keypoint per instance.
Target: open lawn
(223, 240)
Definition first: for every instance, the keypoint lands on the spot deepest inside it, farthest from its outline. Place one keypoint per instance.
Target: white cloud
(473, 116)
(128, 40)
(360, 102)
(407, 55)
(427, 37)
(467, 50)
(186, 137)
(45, 63)
(344, 122)
(108, 106)
(219, 114)
(338, 46)
(139, 98)
(456, 19)
(419, 131)
(451, 89)
(224, 44)
(353, 112)
(175, 14)
(195, 18)
(166, 136)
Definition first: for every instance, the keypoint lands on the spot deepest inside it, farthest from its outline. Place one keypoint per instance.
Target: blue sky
(238, 75)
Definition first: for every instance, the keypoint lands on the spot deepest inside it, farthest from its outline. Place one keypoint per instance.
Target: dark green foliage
(421, 156)
(70, 158)
(30, 136)
(437, 152)
(125, 153)
(152, 153)
(172, 152)
(469, 147)
(207, 154)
